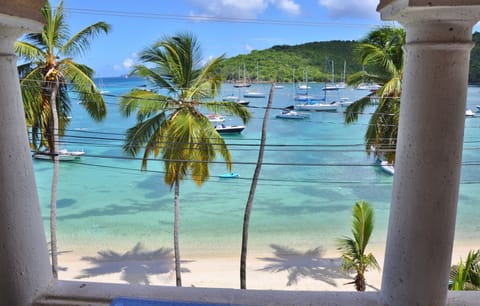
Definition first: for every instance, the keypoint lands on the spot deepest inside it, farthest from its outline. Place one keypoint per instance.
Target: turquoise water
(314, 171)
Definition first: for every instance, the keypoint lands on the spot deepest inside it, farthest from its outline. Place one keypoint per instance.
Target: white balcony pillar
(429, 149)
(24, 269)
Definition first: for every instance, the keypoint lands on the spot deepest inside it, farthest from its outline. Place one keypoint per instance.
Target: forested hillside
(279, 63)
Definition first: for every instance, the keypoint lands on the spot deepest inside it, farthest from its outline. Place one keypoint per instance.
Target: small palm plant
(466, 275)
(353, 249)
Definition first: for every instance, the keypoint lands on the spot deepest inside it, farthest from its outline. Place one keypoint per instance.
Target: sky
(229, 27)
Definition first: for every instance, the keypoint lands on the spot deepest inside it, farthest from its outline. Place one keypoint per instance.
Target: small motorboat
(291, 114)
(230, 98)
(254, 94)
(387, 167)
(229, 175)
(319, 107)
(229, 129)
(345, 102)
(236, 99)
(63, 155)
(469, 113)
(215, 118)
(243, 102)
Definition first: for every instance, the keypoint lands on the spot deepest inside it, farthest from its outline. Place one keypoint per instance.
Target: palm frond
(81, 41)
(145, 103)
(28, 52)
(156, 77)
(229, 108)
(56, 30)
(362, 224)
(353, 110)
(145, 133)
(80, 78)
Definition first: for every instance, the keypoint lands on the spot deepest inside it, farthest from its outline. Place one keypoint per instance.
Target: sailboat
(342, 84)
(253, 93)
(331, 85)
(368, 86)
(244, 82)
(304, 86)
(312, 103)
(302, 93)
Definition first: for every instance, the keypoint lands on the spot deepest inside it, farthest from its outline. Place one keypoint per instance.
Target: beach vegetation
(381, 54)
(355, 259)
(466, 274)
(47, 72)
(171, 126)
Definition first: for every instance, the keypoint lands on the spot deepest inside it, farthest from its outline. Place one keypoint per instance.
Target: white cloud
(129, 61)
(249, 48)
(288, 6)
(351, 8)
(242, 8)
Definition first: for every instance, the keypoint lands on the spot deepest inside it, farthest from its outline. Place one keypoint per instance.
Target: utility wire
(216, 19)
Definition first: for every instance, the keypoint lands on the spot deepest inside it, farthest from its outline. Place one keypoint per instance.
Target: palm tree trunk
(56, 167)
(176, 226)
(251, 195)
(360, 283)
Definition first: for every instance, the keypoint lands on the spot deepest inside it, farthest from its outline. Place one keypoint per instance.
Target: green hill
(279, 63)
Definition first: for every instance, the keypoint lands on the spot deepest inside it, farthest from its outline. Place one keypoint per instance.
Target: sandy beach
(282, 272)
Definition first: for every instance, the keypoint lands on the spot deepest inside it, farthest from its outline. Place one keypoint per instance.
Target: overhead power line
(205, 18)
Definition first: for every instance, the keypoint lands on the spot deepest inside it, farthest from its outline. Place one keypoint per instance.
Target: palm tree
(47, 71)
(251, 194)
(382, 52)
(466, 275)
(353, 249)
(172, 125)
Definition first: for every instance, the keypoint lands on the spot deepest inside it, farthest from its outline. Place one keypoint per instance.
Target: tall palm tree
(172, 125)
(47, 71)
(466, 275)
(251, 194)
(354, 257)
(381, 52)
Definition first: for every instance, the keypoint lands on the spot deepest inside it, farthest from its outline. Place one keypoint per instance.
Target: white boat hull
(319, 107)
(387, 167)
(63, 155)
(292, 115)
(229, 129)
(254, 95)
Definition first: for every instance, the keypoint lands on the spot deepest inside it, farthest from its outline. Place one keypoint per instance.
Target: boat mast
(333, 73)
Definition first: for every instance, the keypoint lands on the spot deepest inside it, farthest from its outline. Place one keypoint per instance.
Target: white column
(24, 269)
(428, 159)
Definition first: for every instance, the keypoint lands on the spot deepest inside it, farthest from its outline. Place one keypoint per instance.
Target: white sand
(223, 272)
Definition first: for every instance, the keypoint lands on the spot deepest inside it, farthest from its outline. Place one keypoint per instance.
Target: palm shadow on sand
(135, 266)
(301, 265)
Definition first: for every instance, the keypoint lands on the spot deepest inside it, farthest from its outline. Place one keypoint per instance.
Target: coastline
(265, 271)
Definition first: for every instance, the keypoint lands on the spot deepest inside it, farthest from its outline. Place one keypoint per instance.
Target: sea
(313, 172)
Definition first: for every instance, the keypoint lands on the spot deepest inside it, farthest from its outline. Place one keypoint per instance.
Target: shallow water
(314, 170)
